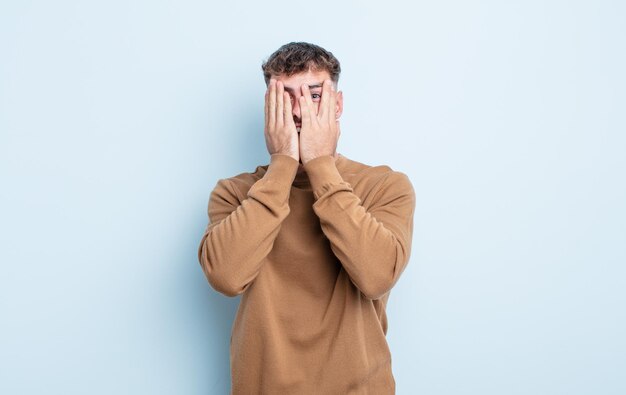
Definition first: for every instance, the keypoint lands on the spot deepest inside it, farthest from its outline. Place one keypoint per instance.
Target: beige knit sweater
(314, 255)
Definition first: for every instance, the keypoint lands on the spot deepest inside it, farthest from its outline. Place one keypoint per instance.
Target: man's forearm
(373, 245)
(239, 237)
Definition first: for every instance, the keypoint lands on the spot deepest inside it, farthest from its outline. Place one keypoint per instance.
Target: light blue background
(117, 118)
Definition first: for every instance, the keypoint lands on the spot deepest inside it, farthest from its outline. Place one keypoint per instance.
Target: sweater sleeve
(373, 245)
(240, 235)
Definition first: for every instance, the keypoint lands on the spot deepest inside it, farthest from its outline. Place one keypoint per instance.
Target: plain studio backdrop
(117, 118)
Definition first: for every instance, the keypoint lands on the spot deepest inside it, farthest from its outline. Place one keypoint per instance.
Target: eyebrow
(318, 85)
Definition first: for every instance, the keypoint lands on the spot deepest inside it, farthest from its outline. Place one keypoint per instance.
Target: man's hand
(281, 136)
(320, 131)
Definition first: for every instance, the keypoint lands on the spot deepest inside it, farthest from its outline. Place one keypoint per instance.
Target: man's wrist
(282, 168)
(322, 170)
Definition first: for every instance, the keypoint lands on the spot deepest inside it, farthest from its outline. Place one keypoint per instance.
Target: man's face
(314, 79)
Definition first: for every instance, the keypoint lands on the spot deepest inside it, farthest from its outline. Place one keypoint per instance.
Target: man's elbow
(224, 286)
(377, 285)
(222, 281)
(375, 289)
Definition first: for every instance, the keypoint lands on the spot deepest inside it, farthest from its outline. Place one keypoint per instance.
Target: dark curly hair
(298, 57)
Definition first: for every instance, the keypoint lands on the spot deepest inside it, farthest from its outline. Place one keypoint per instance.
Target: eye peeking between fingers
(314, 96)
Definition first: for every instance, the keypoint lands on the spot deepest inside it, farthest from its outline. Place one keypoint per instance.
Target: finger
(306, 92)
(279, 103)
(332, 110)
(288, 114)
(326, 93)
(304, 112)
(272, 109)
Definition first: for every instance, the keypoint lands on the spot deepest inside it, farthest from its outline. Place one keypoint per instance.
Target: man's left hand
(320, 131)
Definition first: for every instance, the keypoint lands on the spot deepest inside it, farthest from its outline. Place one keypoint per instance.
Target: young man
(314, 242)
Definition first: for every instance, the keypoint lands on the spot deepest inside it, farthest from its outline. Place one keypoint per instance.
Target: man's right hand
(281, 136)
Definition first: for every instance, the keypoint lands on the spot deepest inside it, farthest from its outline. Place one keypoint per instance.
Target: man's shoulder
(246, 179)
(360, 172)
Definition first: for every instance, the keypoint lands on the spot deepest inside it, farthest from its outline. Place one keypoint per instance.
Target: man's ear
(339, 105)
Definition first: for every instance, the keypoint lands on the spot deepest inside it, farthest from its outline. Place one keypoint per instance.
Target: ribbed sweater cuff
(282, 169)
(323, 173)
